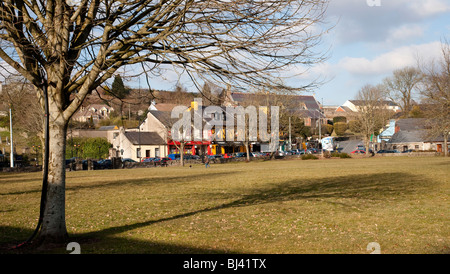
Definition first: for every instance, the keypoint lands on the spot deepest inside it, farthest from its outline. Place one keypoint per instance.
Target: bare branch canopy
(68, 48)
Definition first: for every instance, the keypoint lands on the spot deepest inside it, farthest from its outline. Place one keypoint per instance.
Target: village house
(409, 134)
(136, 145)
(93, 112)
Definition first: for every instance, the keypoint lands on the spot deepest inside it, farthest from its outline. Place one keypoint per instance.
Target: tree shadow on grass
(371, 187)
(137, 182)
(91, 245)
(380, 187)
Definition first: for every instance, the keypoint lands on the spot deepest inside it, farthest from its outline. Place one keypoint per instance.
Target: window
(156, 152)
(138, 152)
(416, 147)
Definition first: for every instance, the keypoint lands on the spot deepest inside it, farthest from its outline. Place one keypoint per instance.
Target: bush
(309, 157)
(354, 126)
(339, 119)
(329, 128)
(340, 128)
(326, 154)
(340, 155)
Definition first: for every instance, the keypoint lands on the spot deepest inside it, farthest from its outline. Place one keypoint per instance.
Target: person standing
(207, 162)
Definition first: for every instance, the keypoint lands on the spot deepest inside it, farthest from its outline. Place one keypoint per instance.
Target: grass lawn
(295, 206)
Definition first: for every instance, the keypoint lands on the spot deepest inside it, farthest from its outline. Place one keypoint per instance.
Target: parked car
(174, 156)
(358, 151)
(94, 163)
(408, 151)
(217, 156)
(313, 150)
(129, 160)
(388, 151)
(228, 155)
(104, 164)
(243, 154)
(258, 154)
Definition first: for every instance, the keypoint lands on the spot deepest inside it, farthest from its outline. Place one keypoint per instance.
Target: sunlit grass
(296, 206)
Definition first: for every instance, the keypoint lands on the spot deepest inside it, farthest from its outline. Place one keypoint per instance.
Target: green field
(280, 206)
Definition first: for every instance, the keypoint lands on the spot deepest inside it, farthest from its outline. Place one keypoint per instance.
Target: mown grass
(295, 206)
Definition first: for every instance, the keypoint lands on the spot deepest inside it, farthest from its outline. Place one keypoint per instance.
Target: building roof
(271, 99)
(144, 138)
(108, 128)
(363, 102)
(408, 137)
(344, 109)
(165, 106)
(410, 124)
(414, 136)
(164, 117)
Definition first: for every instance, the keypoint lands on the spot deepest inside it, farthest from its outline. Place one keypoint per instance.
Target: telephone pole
(11, 135)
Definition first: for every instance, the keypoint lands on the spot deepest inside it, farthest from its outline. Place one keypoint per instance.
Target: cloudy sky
(369, 42)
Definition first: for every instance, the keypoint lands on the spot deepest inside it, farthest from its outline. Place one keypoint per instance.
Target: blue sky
(367, 44)
(370, 42)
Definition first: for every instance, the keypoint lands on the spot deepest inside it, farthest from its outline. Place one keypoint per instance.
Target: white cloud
(395, 59)
(426, 8)
(357, 21)
(405, 32)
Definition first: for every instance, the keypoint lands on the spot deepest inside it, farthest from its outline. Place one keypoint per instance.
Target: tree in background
(372, 114)
(119, 91)
(401, 87)
(94, 148)
(435, 88)
(67, 49)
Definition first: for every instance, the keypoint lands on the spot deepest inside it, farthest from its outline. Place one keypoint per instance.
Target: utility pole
(11, 135)
(290, 141)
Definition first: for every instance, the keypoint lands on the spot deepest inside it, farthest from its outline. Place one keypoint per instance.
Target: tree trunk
(53, 228)
(247, 150)
(182, 153)
(445, 146)
(367, 146)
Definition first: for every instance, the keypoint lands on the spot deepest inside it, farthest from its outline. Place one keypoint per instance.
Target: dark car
(243, 154)
(95, 164)
(191, 157)
(125, 160)
(147, 159)
(104, 164)
(217, 156)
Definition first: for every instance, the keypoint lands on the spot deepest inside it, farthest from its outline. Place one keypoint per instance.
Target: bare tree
(435, 89)
(66, 49)
(27, 114)
(371, 113)
(401, 85)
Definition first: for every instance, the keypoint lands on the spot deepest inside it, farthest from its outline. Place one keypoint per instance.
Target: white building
(137, 145)
(356, 105)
